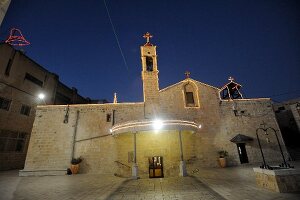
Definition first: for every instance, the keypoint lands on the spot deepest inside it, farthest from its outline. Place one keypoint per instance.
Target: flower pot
(75, 168)
(222, 162)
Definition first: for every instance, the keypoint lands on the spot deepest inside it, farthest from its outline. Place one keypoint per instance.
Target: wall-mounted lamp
(41, 97)
(157, 124)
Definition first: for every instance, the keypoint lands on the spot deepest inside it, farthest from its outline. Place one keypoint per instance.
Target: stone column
(182, 166)
(135, 174)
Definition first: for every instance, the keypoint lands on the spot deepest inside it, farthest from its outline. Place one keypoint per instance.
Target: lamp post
(262, 154)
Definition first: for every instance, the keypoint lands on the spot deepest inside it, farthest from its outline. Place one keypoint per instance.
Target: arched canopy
(148, 125)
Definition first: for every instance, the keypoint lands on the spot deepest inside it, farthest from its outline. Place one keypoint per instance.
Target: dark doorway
(149, 64)
(156, 167)
(242, 153)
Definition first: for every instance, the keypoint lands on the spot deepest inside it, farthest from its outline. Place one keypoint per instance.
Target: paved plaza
(234, 183)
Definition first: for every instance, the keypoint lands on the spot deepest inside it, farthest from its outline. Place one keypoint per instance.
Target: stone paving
(236, 183)
(233, 183)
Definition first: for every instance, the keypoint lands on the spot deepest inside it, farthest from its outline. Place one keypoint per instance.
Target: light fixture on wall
(157, 124)
(41, 97)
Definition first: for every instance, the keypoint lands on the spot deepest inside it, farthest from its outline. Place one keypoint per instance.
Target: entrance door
(156, 167)
(242, 153)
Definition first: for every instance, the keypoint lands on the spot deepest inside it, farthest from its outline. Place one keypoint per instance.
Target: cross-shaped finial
(147, 36)
(115, 98)
(263, 125)
(187, 74)
(231, 79)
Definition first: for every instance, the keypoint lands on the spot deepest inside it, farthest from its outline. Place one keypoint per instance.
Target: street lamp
(41, 96)
(265, 130)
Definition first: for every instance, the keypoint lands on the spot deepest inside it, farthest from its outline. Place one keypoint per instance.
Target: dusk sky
(256, 42)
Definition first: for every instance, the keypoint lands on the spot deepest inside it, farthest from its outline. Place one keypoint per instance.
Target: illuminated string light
(16, 38)
(149, 124)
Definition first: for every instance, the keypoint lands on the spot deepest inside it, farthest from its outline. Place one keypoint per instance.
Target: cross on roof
(147, 36)
(187, 74)
(231, 79)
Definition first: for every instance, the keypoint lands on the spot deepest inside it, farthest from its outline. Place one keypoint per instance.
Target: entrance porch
(155, 152)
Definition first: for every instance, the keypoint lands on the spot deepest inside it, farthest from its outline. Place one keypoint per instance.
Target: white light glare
(110, 130)
(157, 124)
(200, 126)
(41, 96)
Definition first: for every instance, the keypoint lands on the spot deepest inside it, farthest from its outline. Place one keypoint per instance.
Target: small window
(25, 110)
(4, 103)
(190, 98)
(149, 63)
(11, 141)
(108, 118)
(190, 95)
(34, 80)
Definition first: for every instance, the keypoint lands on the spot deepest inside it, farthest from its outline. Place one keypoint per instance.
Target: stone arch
(190, 94)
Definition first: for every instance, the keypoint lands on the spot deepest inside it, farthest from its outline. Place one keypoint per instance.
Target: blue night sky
(256, 42)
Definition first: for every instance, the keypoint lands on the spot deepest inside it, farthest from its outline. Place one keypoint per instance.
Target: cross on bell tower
(150, 77)
(147, 36)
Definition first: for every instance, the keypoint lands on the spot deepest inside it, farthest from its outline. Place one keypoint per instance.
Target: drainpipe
(74, 134)
(135, 174)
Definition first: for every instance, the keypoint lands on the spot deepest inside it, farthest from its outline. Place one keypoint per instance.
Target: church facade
(175, 130)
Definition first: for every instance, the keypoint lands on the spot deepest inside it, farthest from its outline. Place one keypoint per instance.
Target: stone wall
(250, 114)
(278, 180)
(4, 4)
(159, 143)
(53, 138)
(104, 153)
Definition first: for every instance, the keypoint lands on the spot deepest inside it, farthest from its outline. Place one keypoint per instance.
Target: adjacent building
(21, 81)
(288, 117)
(174, 131)
(4, 4)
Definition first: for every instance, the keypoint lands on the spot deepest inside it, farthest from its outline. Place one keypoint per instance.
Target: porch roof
(240, 138)
(148, 125)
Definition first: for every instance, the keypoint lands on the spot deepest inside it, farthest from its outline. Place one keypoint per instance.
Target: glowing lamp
(41, 96)
(157, 124)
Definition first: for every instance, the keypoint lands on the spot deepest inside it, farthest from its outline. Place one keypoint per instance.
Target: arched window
(149, 63)
(190, 95)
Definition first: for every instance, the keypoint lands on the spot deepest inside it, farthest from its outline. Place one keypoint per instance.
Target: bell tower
(150, 77)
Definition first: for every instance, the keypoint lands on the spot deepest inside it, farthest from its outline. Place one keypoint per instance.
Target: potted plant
(75, 165)
(222, 157)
